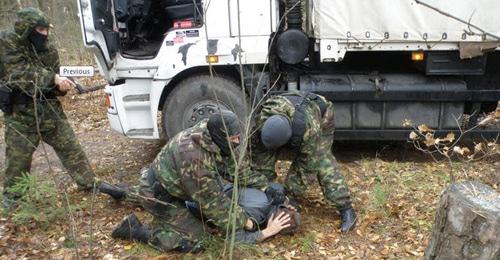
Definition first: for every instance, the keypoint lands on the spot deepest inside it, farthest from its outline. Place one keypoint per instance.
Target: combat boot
(188, 247)
(348, 217)
(113, 191)
(132, 229)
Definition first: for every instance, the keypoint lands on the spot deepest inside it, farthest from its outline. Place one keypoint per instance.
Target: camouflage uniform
(187, 169)
(31, 77)
(313, 160)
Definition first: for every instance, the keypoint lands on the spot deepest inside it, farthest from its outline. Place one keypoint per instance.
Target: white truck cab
(381, 62)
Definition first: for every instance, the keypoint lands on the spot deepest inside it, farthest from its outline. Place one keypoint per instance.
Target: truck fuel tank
(387, 101)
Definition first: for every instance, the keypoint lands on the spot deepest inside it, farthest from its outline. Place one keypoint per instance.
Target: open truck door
(100, 32)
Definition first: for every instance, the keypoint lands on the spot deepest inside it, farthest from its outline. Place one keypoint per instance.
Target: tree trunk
(467, 224)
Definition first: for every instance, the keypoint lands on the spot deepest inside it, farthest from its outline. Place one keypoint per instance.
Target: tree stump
(467, 224)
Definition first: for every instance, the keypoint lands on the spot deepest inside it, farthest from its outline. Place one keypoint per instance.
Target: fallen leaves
(398, 230)
(413, 135)
(424, 129)
(450, 137)
(461, 150)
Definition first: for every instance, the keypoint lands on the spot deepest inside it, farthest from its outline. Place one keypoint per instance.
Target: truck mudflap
(377, 107)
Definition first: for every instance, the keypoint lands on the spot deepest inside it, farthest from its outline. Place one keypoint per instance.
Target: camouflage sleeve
(276, 105)
(248, 237)
(327, 127)
(311, 147)
(203, 184)
(263, 160)
(23, 74)
(50, 59)
(246, 176)
(263, 164)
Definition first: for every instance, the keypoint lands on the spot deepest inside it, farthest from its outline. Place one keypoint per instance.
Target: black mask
(218, 133)
(38, 40)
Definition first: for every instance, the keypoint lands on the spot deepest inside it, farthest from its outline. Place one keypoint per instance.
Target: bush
(38, 202)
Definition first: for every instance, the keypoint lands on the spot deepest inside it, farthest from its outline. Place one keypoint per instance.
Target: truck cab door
(100, 33)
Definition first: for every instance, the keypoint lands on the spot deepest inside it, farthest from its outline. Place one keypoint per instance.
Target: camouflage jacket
(188, 168)
(25, 70)
(263, 161)
(30, 74)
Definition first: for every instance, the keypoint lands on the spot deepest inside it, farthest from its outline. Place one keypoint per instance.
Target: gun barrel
(82, 90)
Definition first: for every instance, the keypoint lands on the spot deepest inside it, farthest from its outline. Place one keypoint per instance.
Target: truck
(385, 64)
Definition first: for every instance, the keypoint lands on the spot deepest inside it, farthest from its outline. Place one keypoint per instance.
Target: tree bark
(467, 224)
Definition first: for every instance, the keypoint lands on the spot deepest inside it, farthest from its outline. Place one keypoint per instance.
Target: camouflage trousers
(22, 139)
(332, 183)
(172, 223)
(322, 166)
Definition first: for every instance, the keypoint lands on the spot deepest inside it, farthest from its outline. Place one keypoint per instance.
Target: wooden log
(467, 224)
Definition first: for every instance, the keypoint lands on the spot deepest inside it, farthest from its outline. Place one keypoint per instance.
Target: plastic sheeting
(402, 20)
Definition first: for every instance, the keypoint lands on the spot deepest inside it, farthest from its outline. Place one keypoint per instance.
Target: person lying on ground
(261, 209)
(186, 169)
(278, 220)
(301, 124)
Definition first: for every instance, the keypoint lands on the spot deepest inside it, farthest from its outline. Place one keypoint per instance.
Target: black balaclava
(38, 40)
(217, 125)
(275, 132)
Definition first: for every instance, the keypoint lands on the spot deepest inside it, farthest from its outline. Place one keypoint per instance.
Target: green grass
(380, 230)
(214, 247)
(379, 196)
(141, 250)
(39, 202)
(69, 243)
(306, 243)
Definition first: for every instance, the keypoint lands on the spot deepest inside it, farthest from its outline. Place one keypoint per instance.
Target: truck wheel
(196, 98)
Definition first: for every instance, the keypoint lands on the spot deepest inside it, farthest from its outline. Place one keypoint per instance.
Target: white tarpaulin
(403, 20)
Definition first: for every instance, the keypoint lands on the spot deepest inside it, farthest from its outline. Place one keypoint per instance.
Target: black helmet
(275, 132)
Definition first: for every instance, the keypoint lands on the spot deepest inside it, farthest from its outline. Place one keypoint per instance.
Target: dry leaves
(398, 230)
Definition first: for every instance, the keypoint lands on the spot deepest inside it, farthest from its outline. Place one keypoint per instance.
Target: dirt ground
(395, 190)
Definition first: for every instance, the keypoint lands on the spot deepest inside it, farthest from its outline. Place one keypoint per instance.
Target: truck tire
(196, 98)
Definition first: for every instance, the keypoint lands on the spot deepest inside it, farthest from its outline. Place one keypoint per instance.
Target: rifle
(150, 199)
(82, 90)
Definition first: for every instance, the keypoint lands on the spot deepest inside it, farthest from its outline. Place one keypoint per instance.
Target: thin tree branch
(484, 32)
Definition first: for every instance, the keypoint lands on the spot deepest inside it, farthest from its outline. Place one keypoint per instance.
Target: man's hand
(63, 83)
(275, 225)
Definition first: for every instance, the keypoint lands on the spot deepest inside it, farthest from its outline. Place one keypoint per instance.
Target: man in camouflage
(302, 123)
(188, 168)
(30, 65)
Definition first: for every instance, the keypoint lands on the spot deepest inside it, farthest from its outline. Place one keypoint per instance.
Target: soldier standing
(30, 65)
(302, 123)
(188, 168)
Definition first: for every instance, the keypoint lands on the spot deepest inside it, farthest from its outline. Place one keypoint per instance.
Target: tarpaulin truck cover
(403, 20)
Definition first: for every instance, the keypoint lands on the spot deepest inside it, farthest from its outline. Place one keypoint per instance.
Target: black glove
(275, 193)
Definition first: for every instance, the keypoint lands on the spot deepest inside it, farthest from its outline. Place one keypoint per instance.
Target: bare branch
(484, 32)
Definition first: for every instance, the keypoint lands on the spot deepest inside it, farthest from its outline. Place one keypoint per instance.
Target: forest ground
(394, 187)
